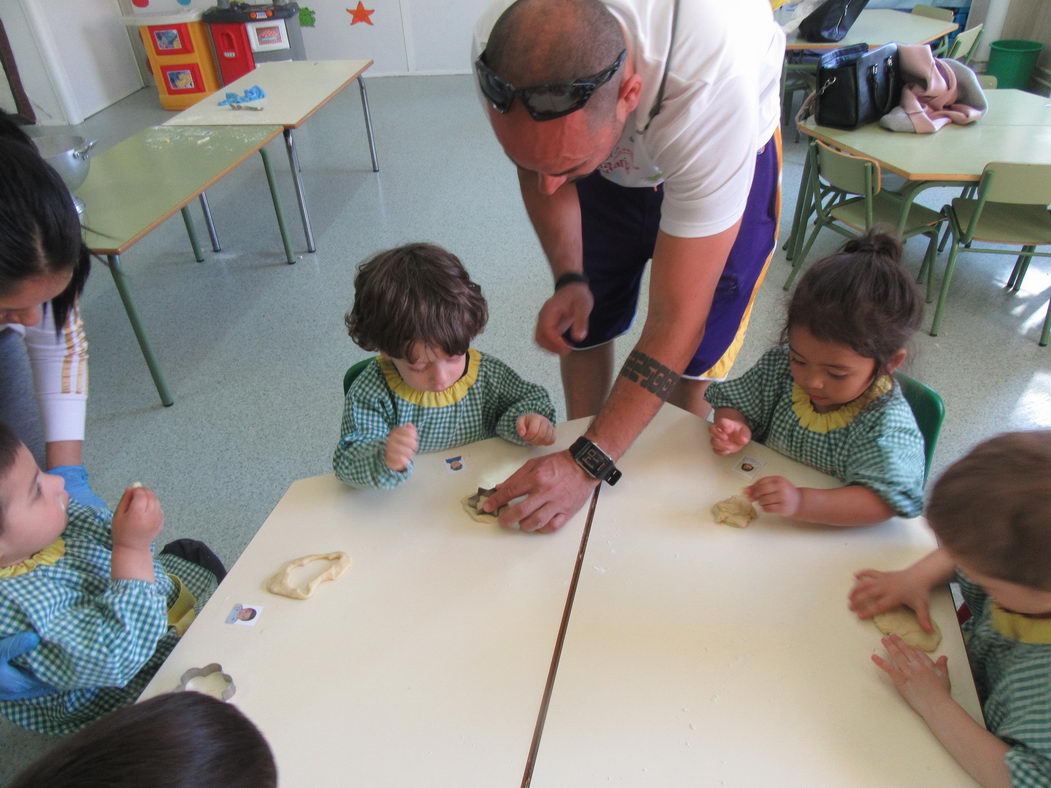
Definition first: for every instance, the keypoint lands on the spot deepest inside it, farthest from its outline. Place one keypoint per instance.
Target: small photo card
(245, 615)
(749, 466)
(455, 464)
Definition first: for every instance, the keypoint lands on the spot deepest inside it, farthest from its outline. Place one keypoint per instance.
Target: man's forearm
(556, 220)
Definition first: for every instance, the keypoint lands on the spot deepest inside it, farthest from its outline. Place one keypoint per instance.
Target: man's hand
(922, 682)
(535, 429)
(138, 519)
(729, 436)
(776, 495)
(402, 444)
(566, 310)
(555, 488)
(15, 683)
(875, 592)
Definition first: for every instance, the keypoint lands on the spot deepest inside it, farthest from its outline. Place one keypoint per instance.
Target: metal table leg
(133, 317)
(190, 231)
(289, 257)
(290, 146)
(368, 124)
(216, 246)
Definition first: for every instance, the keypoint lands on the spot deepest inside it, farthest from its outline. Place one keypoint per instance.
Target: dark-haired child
(826, 397)
(991, 512)
(105, 612)
(178, 739)
(428, 390)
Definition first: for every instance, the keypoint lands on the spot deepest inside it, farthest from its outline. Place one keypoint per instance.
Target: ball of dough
(902, 621)
(735, 510)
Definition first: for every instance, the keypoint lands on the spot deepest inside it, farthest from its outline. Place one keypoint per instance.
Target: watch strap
(569, 278)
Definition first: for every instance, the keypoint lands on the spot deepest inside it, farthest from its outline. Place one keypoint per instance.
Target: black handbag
(831, 20)
(856, 85)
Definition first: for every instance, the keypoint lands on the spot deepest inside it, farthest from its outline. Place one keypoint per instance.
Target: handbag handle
(890, 101)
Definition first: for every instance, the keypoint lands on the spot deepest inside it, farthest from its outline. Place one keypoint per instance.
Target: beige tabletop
(879, 26)
(703, 655)
(137, 184)
(1014, 129)
(425, 663)
(295, 90)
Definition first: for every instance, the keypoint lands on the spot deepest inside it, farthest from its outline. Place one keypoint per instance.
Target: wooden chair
(1011, 208)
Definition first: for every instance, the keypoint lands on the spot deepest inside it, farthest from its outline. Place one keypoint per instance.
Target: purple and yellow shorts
(619, 227)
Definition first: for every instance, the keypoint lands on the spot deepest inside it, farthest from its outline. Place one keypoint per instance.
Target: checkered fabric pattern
(490, 408)
(1013, 679)
(101, 639)
(881, 448)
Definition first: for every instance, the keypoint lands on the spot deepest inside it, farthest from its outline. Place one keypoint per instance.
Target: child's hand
(922, 682)
(874, 592)
(138, 519)
(729, 436)
(402, 444)
(535, 429)
(776, 495)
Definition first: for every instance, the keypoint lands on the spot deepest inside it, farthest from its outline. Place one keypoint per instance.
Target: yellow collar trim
(44, 557)
(432, 399)
(1019, 627)
(840, 417)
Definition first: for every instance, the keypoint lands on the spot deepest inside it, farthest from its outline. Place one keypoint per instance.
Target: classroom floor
(255, 350)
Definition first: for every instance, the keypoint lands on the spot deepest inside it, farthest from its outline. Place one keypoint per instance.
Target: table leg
(368, 124)
(290, 145)
(188, 221)
(120, 281)
(289, 257)
(216, 246)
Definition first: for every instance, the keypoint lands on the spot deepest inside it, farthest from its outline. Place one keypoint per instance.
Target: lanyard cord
(655, 110)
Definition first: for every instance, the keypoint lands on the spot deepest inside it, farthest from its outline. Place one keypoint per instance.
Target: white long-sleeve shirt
(59, 361)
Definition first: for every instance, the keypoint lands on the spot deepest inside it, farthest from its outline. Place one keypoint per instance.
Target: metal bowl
(68, 155)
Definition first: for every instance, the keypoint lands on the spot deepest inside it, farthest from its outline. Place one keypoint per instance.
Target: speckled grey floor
(255, 349)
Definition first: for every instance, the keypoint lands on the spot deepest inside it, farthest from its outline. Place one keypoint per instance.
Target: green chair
(929, 411)
(966, 45)
(354, 371)
(1011, 208)
(850, 201)
(941, 46)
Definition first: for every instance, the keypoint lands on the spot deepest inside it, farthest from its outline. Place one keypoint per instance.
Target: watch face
(593, 460)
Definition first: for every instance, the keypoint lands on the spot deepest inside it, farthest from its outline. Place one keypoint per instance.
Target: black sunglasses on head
(543, 102)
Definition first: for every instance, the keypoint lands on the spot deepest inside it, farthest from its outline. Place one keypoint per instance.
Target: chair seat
(1005, 223)
(885, 209)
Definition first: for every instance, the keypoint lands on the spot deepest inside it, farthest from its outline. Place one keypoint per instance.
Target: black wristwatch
(595, 462)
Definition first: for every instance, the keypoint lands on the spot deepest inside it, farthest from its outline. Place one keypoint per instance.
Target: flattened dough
(281, 584)
(735, 510)
(902, 621)
(472, 505)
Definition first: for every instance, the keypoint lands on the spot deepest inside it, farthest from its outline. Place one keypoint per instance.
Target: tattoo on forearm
(650, 374)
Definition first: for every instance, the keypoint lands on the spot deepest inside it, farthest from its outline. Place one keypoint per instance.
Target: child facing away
(825, 396)
(991, 512)
(428, 390)
(105, 611)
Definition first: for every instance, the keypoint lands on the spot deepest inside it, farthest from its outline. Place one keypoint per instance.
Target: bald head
(544, 41)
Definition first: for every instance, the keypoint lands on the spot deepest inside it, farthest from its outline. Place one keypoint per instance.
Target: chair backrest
(988, 81)
(847, 172)
(929, 411)
(353, 372)
(933, 12)
(1017, 184)
(966, 44)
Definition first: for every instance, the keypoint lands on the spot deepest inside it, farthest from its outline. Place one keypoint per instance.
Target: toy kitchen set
(245, 35)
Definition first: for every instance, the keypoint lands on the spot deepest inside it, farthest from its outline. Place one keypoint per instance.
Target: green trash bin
(1012, 61)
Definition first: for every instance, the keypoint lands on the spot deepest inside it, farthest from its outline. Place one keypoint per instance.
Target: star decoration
(360, 14)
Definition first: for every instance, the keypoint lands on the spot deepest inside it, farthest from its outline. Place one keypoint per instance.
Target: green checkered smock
(880, 448)
(101, 639)
(484, 403)
(1011, 660)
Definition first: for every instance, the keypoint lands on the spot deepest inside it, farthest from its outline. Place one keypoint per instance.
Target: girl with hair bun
(825, 396)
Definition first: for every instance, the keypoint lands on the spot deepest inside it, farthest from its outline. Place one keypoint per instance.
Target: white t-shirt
(721, 104)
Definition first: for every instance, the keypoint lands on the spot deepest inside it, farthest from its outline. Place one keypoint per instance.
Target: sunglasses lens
(498, 92)
(554, 101)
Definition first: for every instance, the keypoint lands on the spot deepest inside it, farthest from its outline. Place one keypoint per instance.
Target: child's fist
(138, 519)
(402, 444)
(535, 429)
(776, 495)
(729, 435)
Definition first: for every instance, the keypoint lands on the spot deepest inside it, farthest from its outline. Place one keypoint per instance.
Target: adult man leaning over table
(686, 110)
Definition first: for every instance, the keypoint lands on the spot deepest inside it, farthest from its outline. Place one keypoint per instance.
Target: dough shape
(902, 621)
(735, 510)
(136, 484)
(472, 504)
(281, 584)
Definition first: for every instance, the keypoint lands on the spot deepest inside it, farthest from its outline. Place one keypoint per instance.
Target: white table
(425, 663)
(295, 90)
(699, 654)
